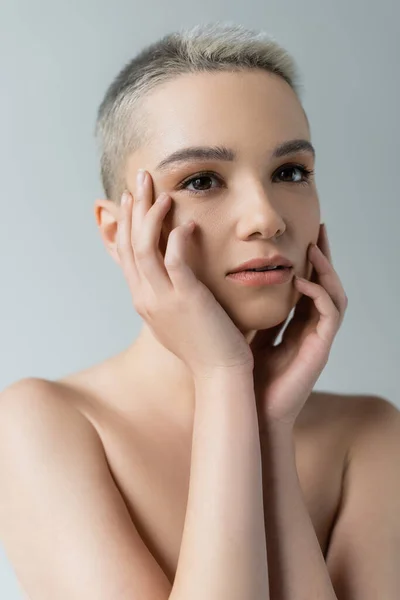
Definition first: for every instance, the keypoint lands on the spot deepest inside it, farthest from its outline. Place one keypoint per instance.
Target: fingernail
(124, 198)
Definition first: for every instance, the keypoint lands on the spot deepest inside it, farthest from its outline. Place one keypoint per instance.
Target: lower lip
(262, 277)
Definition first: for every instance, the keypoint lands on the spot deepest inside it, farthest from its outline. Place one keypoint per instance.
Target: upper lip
(256, 263)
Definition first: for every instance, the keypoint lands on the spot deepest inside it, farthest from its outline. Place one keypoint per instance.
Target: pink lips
(257, 263)
(257, 278)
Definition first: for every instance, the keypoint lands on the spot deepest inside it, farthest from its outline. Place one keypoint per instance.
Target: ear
(107, 214)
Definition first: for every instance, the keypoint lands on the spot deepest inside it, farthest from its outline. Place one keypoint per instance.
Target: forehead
(224, 107)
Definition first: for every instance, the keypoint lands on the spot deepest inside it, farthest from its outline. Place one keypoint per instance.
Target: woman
(198, 462)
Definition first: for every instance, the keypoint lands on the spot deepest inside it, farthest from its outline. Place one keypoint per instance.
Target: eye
(200, 176)
(306, 175)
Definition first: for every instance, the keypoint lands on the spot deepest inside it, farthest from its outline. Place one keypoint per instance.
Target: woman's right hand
(181, 311)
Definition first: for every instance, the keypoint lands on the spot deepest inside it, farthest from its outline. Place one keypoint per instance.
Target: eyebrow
(197, 153)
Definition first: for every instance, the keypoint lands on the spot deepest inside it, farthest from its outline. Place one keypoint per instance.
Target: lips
(262, 278)
(256, 263)
(275, 268)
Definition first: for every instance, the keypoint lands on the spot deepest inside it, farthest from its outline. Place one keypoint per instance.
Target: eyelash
(307, 174)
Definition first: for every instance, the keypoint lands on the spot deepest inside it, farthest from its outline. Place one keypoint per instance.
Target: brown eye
(305, 172)
(199, 181)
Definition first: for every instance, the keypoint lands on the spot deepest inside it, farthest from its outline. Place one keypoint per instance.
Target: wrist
(226, 385)
(272, 430)
(228, 374)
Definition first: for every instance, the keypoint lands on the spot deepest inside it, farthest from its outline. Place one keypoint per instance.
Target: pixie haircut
(122, 126)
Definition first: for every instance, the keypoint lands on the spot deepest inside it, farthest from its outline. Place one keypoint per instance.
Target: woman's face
(255, 205)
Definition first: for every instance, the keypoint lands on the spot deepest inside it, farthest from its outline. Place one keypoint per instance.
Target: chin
(260, 312)
(247, 326)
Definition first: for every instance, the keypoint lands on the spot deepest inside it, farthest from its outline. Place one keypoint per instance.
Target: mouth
(261, 277)
(261, 270)
(279, 267)
(263, 263)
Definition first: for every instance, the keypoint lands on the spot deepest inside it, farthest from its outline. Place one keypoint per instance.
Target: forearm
(297, 569)
(223, 549)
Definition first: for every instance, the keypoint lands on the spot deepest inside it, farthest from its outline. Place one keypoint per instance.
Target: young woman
(199, 463)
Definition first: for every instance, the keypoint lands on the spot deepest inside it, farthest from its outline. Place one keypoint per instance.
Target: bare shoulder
(52, 454)
(359, 410)
(373, 419)
(352, 416)
(356, 407)
(365, 535)
(31, 389)
(41, 402)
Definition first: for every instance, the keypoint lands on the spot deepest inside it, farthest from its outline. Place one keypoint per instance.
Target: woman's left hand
(284, 375)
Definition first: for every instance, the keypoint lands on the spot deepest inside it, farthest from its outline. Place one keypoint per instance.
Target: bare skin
(157, 450)
(142, 401)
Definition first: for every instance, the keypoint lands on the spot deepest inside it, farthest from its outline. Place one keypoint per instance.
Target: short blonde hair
(121, 127)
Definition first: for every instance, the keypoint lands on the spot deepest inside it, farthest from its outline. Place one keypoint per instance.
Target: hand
(181, 311)
(284, 375)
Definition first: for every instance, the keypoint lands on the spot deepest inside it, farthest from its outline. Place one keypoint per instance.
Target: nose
(259, 215)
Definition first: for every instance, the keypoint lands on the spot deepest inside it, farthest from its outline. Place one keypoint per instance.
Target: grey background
(64, 303)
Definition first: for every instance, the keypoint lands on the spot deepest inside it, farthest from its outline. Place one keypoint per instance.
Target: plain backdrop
(64, 303)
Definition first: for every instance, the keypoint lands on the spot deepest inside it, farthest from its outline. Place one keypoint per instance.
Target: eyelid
(309, 172)
(199, 174)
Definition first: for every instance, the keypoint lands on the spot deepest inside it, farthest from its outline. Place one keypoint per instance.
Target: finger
(181, 275)
(124, 245)
(147, 219)
(328, 278)
(305, 307)
(323, 242)
(330, 317)
(323, 275)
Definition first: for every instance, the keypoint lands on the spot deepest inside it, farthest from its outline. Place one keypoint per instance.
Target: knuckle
(123, 241)
(152, 309)
(139, 307)
(146, 308)
(142, 250)
(343, 302)
(173, 262)
(121, 250)
(122, 244)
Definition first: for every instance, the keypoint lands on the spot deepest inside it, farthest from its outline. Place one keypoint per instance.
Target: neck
(163, 378)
